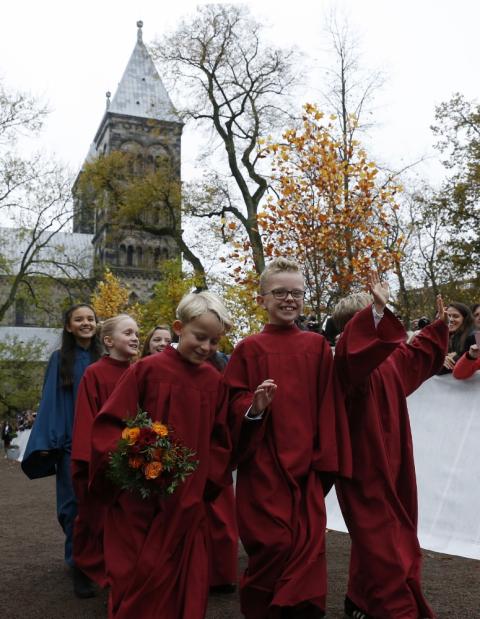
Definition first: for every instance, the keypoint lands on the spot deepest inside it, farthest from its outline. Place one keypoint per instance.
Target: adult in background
(378, 370)
(460, 328)
(8, 434)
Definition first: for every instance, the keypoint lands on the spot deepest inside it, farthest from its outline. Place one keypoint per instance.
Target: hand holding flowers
(149, 459)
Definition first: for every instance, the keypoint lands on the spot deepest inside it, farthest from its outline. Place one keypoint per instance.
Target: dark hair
(456, 342)
(475, 307)
(67, 347)
(423, 322)
(146, 343)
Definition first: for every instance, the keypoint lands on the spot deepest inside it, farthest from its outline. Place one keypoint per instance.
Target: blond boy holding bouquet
(156, 547)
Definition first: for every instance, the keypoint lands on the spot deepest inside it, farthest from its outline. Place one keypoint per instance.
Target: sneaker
(83, 587)
(353, 612)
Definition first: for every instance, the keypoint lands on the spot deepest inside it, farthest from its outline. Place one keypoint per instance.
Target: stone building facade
(140, 119)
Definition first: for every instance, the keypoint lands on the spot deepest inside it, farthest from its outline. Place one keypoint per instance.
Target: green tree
(457, 127)
(167, 294)
(337, 234)
(236, 85)
(150, 201)
(21, 376)
(35, 201)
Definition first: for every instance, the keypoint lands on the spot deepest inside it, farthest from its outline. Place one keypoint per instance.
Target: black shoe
(83, 587)
(229, 587)
(353, 612)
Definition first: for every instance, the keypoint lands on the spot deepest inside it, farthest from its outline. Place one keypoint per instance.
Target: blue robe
(52, 433)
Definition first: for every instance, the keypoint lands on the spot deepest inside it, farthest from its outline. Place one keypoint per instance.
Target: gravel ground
(34, 582)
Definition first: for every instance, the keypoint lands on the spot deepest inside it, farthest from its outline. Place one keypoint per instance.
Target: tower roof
(141, 91)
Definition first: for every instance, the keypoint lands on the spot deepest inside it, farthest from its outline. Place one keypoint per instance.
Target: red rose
(147, 437)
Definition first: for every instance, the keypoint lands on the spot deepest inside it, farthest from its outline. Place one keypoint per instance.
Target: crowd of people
(289, 416)
(463, 354)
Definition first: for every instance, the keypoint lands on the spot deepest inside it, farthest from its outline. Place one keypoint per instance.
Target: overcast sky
(70, 54)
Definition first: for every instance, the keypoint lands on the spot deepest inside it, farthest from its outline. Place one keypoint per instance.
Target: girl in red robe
(119, 336)
(378, 370)
(155, 549)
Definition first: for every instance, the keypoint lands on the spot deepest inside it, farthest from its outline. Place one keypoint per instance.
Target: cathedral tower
(139, 120)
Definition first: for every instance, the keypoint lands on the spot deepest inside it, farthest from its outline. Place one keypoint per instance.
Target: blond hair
(196, 304)
(108, 326)
(347, 307)
(278, 265)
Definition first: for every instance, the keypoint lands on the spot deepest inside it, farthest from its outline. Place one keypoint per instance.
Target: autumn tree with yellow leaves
(167, 294)
(111, 298)
(329, 211)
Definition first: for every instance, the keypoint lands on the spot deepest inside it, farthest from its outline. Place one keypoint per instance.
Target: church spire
(141, 92)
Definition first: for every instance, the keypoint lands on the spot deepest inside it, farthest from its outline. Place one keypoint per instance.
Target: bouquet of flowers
(148, 459)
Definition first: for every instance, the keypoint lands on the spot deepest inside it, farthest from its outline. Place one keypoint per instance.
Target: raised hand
(380, 291)
(441, 311)
(474, 351)
(449, 361)
(263, 396)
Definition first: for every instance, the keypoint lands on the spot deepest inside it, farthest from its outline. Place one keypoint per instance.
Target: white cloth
(445, 421)
(21, 441)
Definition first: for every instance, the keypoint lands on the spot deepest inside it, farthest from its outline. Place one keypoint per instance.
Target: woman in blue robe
(49, 447)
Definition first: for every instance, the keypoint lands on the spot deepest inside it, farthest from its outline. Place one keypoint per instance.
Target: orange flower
(131, 434)
(160, 428)
(135, 462)
(152, 470)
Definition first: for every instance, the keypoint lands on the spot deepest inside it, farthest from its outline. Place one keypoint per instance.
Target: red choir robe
(156, 549)
(95, 387)
(283, 461)
(222, 525)
(378, 370)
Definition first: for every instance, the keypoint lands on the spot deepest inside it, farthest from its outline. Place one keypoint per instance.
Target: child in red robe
(378, 370)
(119, 336)
(156, 548)
(290, 438)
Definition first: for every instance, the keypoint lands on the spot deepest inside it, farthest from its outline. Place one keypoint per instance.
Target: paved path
(34, 583)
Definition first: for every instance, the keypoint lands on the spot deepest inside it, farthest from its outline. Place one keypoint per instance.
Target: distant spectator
(423, 322)
(157, 340)
(417, 326)
(8, 434)
(330, 331)
(460, 326)
(476, 316)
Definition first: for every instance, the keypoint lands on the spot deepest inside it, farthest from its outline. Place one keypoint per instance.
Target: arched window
(122, 256)
(139, 257)
(156, 256)
(130, 253)
(20, 312)
(164, 253)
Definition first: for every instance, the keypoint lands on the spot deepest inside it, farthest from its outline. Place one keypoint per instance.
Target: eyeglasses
(282, 293)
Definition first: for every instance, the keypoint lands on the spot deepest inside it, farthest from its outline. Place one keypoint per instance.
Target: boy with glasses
(291, 439)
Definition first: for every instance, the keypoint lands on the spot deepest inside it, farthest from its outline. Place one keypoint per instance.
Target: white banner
(445, 421)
